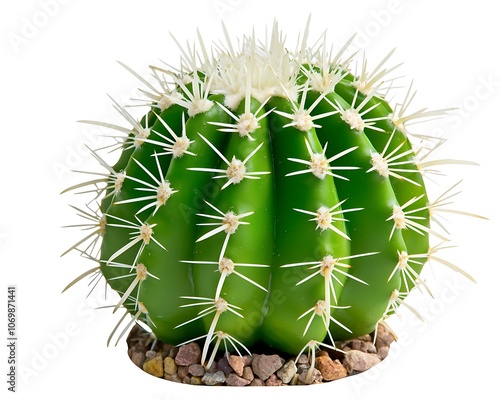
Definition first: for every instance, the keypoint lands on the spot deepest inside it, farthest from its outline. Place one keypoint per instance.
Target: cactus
(267, 195)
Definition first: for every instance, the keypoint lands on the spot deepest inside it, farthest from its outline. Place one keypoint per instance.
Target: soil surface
(265, 367)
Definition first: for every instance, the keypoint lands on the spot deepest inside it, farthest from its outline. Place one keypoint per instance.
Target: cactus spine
(266, 196)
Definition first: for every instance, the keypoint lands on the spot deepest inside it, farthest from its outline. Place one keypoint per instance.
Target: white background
(58, 62)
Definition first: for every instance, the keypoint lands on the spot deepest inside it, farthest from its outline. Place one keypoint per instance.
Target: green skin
(251, 243)
(416, 243)
(369, 229)
(176, 231)
(116, 237)
(276, 235)
(297, 239)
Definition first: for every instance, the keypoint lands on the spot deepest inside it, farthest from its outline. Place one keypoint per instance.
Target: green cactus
(267, 195)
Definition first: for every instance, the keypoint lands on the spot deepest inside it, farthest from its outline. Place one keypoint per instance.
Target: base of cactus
(265, 367)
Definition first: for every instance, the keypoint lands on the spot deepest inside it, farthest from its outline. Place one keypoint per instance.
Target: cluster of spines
(239, 82)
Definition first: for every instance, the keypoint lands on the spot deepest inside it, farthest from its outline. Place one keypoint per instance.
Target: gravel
(263, 368)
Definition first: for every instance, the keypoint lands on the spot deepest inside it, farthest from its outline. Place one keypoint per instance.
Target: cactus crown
(267, 195)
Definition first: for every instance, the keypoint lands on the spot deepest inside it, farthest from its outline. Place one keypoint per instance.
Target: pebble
(356, 360)
(303, 359)
(295, 380)
(188, 354)
(169, 366)
(237, 364)
(384, 336)
(182, 364)
(257, 382)
(264, 366)
(182, 371)
(248, 373)
(150, 354)
(172, 378)
(330, 370)
(273, 381)
(223, 365)
(287, 371)
(362, 345)
(314, 378)
(196, 370)
(234, 379)
(302, 367)
(383, 352)
(213, 378)
(196, 380)
(154, 366)
(173, 352)
(247, 360)
(166, 349)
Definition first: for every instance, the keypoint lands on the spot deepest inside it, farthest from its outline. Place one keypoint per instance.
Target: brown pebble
(273, 381)
(248, 374)
(355, 344)
(247, 360)
(383, 352)
(172, 378)
(182, 371)
(188, 354)
(169, 366)
(358, 361)
(264, 366)
(154, 366)
(362, 345)
(330, 370)
(165, 350)
(234, 379)
(295, 380)
(237, 364)
(196, 370)
(257, 382)
(196, 380)
(173, 352)
(370, 347)
(384, 336)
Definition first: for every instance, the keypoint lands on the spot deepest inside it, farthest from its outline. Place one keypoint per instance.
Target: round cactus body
(267, 195)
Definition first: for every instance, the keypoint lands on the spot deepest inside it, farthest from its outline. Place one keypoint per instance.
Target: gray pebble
(223, 365)
(196, 370)
(356, 360)
(213, 378)
(287, 371)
